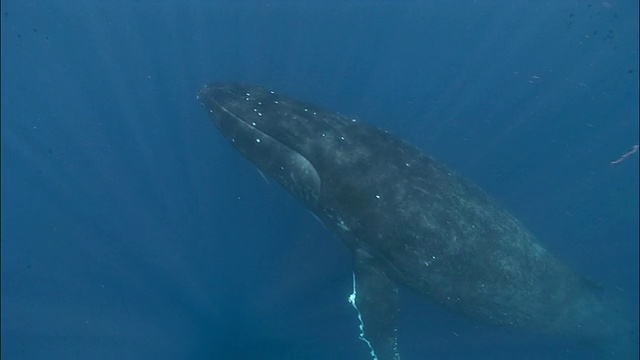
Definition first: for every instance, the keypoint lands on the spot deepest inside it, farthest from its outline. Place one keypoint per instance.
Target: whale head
(274, 132)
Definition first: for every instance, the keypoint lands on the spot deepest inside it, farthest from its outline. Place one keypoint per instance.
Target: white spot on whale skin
(377, 196)
(342, 225)
(257, 140)
(428, 263)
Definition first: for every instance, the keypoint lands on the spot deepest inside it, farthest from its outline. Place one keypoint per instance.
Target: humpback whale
(409, 221)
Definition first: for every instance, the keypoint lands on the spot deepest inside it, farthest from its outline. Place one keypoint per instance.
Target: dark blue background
(132, 230)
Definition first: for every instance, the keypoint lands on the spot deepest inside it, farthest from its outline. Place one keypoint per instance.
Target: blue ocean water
(132, 230)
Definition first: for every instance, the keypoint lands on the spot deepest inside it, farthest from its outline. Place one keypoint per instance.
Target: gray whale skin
(410, 220)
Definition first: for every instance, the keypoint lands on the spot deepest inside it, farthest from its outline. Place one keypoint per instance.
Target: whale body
(408, 220)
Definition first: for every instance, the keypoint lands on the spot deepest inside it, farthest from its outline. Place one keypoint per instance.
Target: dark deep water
(132, 230)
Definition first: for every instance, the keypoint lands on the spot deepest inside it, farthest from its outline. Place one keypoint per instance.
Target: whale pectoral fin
(375, 297)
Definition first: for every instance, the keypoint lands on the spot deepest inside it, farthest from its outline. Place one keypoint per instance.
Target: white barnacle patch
(259, 102)
(247, 94)
(210, 111)
(247, 99)
(377, 196)
(259, 113)
(342, 137)
(275, 102)
(324, 135)
(306, 110)
(271, 91)
(353, 120)
(257, 140)
(352, 301)
(255, 110)
(407, 165)
(352, 297)
(314, 113)
(253, 124)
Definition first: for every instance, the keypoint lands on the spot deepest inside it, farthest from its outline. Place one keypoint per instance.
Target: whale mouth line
(252, 126)
(238, 118)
